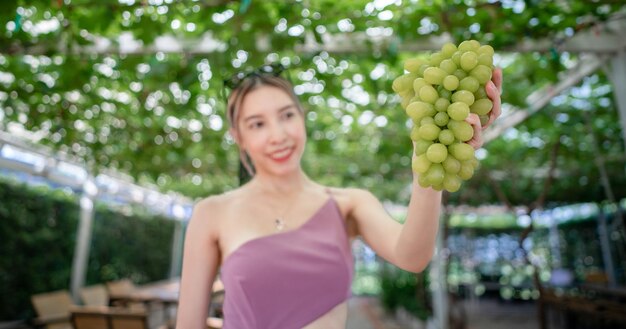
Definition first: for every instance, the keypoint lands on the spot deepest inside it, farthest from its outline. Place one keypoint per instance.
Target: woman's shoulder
(353, 192)
(351, 195)
(218, 203)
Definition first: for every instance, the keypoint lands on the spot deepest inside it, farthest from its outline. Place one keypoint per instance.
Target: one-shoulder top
(287, 280)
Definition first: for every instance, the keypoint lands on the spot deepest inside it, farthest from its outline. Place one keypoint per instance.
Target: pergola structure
(598, 49)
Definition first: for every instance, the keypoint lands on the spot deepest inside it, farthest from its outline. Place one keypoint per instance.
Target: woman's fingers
(493, 89)
(497, 79)
(477, 141)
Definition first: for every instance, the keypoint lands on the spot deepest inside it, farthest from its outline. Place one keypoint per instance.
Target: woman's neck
(281, 185)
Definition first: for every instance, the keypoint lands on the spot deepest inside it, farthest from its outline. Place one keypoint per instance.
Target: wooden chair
(90, 317)
(129, 321)
(95, 295)
(85, 317)
(119, 289)
(53, 309)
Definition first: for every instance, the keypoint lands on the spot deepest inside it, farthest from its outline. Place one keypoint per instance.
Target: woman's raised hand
(493, 89)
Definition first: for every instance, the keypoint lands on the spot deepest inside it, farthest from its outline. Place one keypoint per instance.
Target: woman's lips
(282, 155)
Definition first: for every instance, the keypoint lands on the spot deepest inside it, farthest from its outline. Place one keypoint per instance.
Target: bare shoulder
(354, 195)
(208, 213)
(351, 197)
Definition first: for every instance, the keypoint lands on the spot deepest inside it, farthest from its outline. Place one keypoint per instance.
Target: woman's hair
(236, 97)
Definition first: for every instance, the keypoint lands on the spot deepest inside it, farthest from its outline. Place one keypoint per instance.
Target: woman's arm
(411, 246)
(200, 263)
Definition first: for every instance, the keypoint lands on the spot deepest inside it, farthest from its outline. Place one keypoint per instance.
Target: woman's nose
(278, 132)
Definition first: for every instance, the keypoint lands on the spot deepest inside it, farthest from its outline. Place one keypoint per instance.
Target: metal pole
(605, 245)
(617, 74)
(177, 249)
(83, 238)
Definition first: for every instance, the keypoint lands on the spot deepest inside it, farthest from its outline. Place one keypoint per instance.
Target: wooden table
(163, 292)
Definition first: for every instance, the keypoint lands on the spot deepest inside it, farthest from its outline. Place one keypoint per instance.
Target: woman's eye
(256, 125)
(289, 115)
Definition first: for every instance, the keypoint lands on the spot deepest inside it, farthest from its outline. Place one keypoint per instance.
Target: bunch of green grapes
(439, 93)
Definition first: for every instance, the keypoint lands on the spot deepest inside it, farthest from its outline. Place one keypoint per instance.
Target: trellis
(600, 48)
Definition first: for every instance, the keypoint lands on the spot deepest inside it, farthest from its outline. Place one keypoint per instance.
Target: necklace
(279, 221)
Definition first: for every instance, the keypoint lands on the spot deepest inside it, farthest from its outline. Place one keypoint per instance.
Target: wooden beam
(539, 99)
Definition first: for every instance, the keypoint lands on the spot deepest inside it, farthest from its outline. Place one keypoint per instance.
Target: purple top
(287, 280)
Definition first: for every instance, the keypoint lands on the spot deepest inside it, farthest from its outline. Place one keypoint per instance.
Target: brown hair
(236, 97)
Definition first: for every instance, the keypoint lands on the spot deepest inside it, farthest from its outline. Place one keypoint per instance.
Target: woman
(282, 240)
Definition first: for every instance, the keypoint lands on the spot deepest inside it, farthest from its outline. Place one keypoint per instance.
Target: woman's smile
(282, 155)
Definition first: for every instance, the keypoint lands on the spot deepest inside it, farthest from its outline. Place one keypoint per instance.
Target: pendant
(280, 224)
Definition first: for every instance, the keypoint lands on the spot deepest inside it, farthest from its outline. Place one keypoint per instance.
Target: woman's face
(271, 130)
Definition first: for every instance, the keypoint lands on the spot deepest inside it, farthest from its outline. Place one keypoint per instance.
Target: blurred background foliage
(159, 116)
(37, 242)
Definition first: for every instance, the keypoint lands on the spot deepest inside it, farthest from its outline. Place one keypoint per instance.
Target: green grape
(427, 121)
(482, 73)
(470, 84)
(403, 82)
(435, 59)
(462, 96)
(441, 105)
(429, 95)
(447, 94)
(463, 131)
(413, 64)
(435, 174)
(460, 74)
(451, 165)
(485, 49)
(415, 99)
(418, 84)
(414, 135)
(466, 172)
(485, 59)
(481, 92)
(448, 66)
(441, 119)
(448, 50)
(423, 181)
(481, 106)
(446, 137)
(405, 102)
(407, 94)
(434, 75)
(475, 45)
(420, 164)
(469, 45)
(438, 187)
(429, 131)
(483, 119)
(419, 110)
(469, 60)
(451, 183)
(451, 83)
(421, 145)
(461, 151)
(422, 68)
(436, 153)
(472, 162)
(453, 123)
(456, 57)
(458, 111)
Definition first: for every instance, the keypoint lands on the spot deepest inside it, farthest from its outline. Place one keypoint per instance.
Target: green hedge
(38, 228)
(400, 288)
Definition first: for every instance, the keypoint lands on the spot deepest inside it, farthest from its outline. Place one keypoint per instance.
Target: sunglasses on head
(274, 69)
